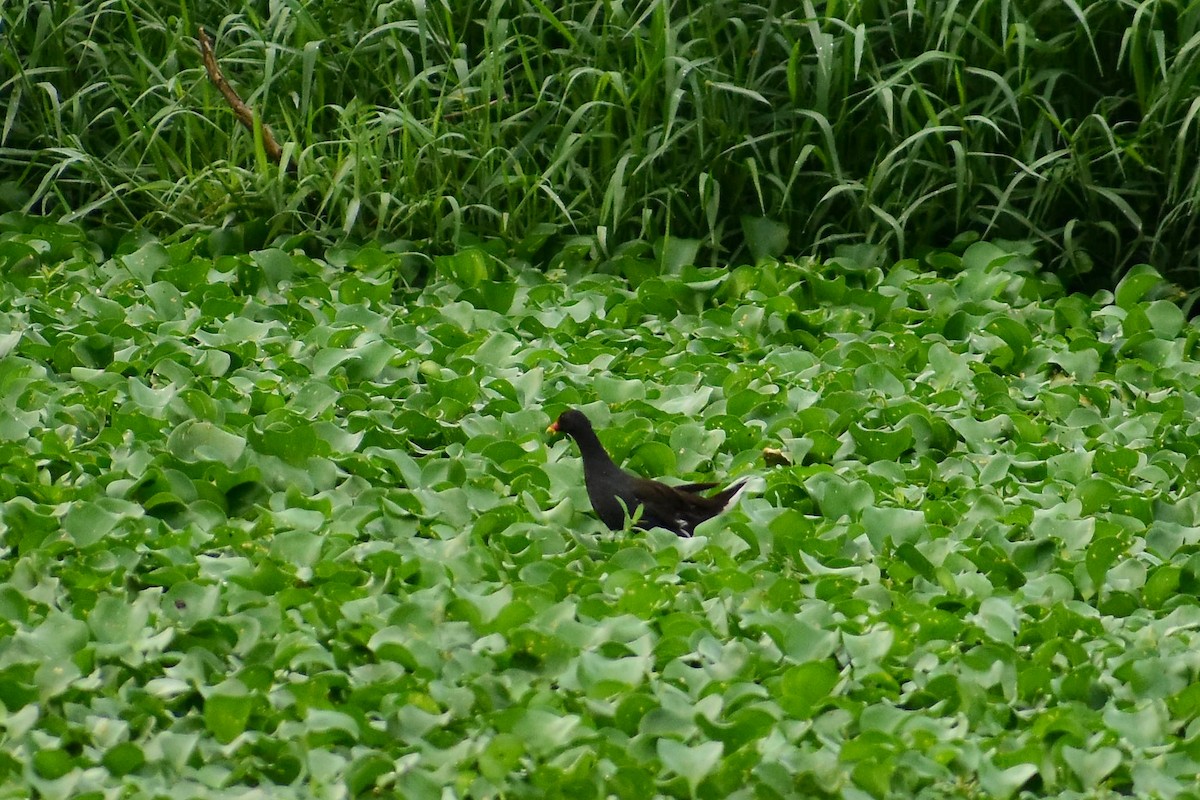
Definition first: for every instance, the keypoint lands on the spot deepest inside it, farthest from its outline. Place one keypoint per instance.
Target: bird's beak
(553, 428)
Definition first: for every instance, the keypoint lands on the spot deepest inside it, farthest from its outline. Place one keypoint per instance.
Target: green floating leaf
(1117, 462)
(360, 289)
(543, 730)
(14, 606)
(467, 267)
(325, 721)
(874, 773)
(1093, 494)
(692, 763)
(501, 757)
(1080, 364)
(199, 440)
(52, 678)
(982, 255)
(94, 351)
(806, 686)
(951, 368)
(653, 459)
(913, 557)
(1016, 336)
(52, 763)
(497, 296)
(876, 444)
(17, 258)
(1003, 783)
(868, 649)
(675, 252)
(227, 710)
(1137, 329)
(59, 637)
(694, 445)
(146, 260)
(878, 378)
(766, 238)
(115, 620)
(363, 774)
(1092, 767)
(615, 391)
(294, 441)
(612, 673)
(124, 759)
(298, 547)
(899, 524)
(168, 302)
(463, 389)
(1137, 283)
(88, 523)
(1162, 585)
(276, 265)
(1166, 318)
(838, 497)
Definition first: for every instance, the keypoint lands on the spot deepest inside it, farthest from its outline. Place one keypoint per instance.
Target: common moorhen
(614, 492)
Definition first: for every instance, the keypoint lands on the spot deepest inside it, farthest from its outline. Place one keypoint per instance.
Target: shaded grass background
(736, 129)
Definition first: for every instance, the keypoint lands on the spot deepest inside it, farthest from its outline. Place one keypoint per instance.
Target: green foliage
(713, 132)
(268, 527)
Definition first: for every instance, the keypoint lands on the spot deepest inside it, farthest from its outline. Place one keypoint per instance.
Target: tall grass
(750, 128)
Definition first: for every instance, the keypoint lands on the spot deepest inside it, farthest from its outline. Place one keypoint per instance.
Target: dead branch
(240, 109)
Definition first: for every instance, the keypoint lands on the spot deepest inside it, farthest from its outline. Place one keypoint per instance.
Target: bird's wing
(672, 507)
(692, 488)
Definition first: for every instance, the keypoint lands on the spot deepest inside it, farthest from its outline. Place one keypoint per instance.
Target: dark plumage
(614, 491)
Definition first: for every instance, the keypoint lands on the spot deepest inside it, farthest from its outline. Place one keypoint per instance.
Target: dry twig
(240, 109)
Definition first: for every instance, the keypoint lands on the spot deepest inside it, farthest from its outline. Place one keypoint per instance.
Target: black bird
(614, 492)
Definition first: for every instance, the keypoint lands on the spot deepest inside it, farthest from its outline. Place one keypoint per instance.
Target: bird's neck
(594, 454)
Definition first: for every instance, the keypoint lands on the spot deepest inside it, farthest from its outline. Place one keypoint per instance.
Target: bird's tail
(729, 497)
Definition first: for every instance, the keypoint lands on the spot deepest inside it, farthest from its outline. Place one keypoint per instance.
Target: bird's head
(571, 422)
